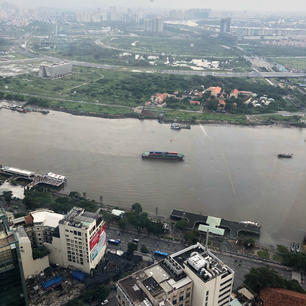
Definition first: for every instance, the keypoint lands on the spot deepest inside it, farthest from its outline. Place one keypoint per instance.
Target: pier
(50, 179)
(233, 227)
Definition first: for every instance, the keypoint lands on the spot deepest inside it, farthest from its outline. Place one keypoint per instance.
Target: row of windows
(228, 286)
(229, 280)
(225, 292)
(76, 260)
(223, 299)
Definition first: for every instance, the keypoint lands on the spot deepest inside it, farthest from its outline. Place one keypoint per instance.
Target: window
(187, 294)
(174, 302)
(181, 298)
(229, 280)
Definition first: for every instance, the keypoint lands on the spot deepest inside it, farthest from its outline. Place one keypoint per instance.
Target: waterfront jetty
(50, 179)
(232, 227)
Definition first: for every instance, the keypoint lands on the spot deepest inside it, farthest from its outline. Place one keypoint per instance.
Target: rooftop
(154, 283)
(46, 217)
(79, 218)
(202, 262)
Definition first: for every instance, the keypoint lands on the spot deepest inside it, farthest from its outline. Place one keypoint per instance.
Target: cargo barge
(162, 155)
(282, 155)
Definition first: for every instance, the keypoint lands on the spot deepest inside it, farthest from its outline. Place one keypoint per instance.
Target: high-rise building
(191, 277)
(154, 25)
(79, 241)
(225, 25)
(76, 240)
(12, 284)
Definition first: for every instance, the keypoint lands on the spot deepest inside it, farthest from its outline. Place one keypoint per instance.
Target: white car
(104, 302)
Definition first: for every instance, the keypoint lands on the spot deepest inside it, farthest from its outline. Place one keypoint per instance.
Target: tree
(7, 196)
(249, 243)
(131, 248)
(260, 278)
(144, 249)
(136, 208)
(212, 105)
(191, 237)
(181, 224)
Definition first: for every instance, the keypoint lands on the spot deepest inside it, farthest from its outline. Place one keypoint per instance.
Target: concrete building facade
(191, 277)
(13, 290)
(30, 266)
(79, 241)
(55, 70)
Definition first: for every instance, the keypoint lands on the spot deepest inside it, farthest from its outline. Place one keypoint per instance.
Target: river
(229, 171)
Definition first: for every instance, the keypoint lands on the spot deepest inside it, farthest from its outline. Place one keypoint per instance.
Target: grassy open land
(260, 49)
(189, 116)
(199, 45)
(280, 118)
(298, 63)
(125, 88)
(264, 253)
(117, 93)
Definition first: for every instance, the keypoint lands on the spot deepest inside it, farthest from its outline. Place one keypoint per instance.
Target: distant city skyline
(241, 5)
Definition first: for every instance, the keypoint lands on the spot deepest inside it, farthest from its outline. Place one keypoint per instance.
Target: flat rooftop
(154, 283)
(202, 262)
(79, 218)
(233, 227)
(47, 218)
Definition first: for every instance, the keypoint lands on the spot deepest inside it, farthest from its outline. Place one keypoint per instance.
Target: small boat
(282, 155)
(175, 126)
(297, 247)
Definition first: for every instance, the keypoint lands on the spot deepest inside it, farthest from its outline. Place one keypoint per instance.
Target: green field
(117, 93)
(196, 45)
(298, 63)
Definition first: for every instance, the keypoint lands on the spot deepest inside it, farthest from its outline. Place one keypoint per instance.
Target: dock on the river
(232, 227)
(51, 179)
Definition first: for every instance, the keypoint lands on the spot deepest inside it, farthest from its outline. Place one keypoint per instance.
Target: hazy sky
(271, 5)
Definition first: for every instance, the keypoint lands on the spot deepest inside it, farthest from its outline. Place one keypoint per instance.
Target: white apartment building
(191, 277)
(79, 241)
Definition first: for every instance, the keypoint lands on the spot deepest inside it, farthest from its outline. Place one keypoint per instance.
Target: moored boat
(162, 155)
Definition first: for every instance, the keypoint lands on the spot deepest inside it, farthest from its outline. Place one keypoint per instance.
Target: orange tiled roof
(282, 297)
(215, 90)
(221, 102)
(194, 102)
(235, 92)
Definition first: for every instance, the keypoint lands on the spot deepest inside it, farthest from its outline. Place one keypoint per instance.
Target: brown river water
(229, 171)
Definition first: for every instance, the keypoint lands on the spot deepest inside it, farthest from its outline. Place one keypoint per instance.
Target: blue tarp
(78, 275)
(51, 282)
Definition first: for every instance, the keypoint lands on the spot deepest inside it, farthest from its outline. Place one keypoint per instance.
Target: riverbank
(192, 118)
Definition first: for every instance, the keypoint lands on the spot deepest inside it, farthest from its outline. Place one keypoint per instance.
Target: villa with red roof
(215, 91)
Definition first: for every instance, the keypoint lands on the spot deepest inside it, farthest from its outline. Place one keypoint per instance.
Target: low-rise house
(194, 102)
(215, 91)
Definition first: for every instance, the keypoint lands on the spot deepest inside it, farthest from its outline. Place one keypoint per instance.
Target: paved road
(240, 264)
(151, 242)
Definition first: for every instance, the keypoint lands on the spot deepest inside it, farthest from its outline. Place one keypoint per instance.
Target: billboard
(97, 242)
(95, 239)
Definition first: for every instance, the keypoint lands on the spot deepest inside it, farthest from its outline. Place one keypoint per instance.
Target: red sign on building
(95, 239)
